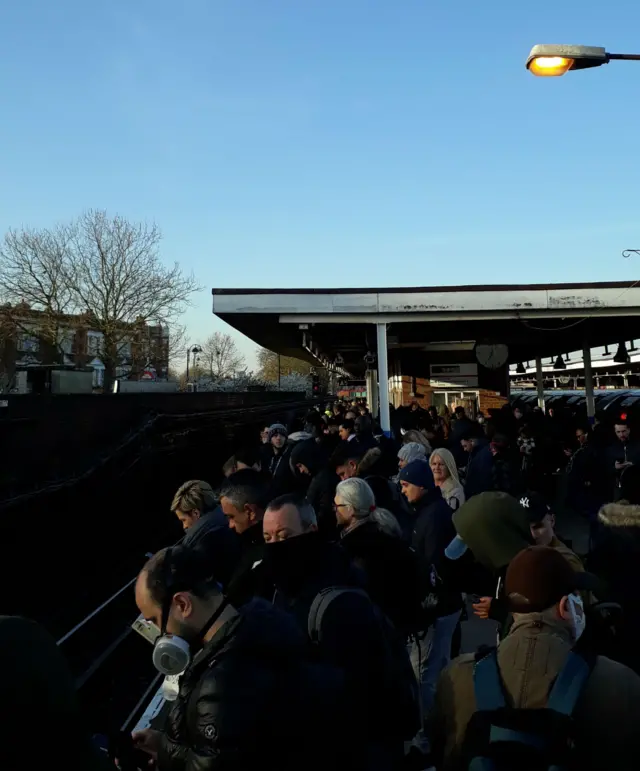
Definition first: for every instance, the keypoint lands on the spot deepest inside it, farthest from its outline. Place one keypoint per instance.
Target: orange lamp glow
(550, 66)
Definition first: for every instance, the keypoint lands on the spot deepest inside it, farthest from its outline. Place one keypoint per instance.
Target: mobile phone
(146, 629)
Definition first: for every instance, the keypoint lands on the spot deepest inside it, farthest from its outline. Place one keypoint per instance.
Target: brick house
(29, 349)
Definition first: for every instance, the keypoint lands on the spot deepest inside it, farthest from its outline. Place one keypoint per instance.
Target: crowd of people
(312, 614)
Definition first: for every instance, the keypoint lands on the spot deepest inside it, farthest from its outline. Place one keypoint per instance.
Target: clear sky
(329, 142)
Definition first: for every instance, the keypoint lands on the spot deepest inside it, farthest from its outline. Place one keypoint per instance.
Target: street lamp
(195, 350)
(555, 60)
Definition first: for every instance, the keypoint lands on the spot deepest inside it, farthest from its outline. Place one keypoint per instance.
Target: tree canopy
(103, 269)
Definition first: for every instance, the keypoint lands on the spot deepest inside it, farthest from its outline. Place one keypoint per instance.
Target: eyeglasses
(336, 506)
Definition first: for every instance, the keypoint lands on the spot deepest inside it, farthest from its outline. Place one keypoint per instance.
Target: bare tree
(33, 288)
(104, 269)
(220, 356)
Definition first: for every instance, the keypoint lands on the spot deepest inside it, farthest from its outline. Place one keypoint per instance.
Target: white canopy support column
(383, 379)
(588, 383)
(540, 383)
(371, 380)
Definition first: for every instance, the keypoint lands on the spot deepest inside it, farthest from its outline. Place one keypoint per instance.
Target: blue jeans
(429, 657)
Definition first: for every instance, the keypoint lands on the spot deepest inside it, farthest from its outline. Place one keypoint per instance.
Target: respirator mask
(172, 653)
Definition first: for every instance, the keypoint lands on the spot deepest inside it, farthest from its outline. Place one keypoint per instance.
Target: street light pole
(555, 60)
(195, 349)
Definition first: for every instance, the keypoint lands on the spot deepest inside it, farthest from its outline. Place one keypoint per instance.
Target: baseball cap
(535, 507)
(418, 473)
(539, 577)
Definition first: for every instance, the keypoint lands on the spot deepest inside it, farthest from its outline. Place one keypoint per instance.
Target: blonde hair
(194, 495)
(449, 461)
(357, 494)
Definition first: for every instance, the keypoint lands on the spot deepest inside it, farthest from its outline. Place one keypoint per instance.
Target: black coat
(392, 573)
(212, 536)
(251, 700)
(433, 531)
(322, 488)
(351, 634)
(247, 580)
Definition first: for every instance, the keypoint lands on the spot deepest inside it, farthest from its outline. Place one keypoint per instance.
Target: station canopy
(328, 325)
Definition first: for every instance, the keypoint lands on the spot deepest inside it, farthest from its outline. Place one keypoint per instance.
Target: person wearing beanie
(276, 460)
(432, 532)
(411, 451)
(543, 592)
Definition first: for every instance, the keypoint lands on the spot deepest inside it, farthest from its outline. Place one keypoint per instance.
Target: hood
(369, 460)
(208, 522)
(620, 514)
(261, 629)
(495, 528)
(481, 443)
(299, 436)
(310, 453)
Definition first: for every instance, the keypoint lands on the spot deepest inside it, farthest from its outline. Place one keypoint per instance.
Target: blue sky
(328, 142)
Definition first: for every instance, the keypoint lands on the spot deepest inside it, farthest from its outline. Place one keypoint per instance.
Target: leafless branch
(220, 356)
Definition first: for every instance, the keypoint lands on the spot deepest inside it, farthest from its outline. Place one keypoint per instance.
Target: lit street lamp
(195, 350)
(555, 60)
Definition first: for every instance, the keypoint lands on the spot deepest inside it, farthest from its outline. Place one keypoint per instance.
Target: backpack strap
(319, 606)
(487, 684)
(569, 684)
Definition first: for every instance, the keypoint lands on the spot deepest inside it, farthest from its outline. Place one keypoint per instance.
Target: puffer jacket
(529, 659)
(614, 559)
(251, 700)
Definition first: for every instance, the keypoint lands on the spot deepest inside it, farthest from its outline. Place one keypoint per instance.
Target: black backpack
(500, 738)
(399, 690)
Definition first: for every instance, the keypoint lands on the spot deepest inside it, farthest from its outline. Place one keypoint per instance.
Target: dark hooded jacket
(615, 559)
(479, 476)
(277, 465)
(248, 579)
(374, 469)
(433, 529)
(392, 573)
(432, 532)
(352, 639)
(322, 488)
(42, 723)
(251, 700)
(212, 536)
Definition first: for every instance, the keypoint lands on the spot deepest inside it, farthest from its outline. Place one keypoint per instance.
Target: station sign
(453, 375)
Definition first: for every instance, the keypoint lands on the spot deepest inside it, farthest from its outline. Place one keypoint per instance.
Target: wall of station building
(446, 377)
(404, 390)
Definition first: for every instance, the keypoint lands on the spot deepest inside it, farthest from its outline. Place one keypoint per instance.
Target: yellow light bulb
(550, 66)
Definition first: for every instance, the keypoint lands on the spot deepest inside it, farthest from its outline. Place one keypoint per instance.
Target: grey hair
(194, 495)
(245, 488)
(305, 510)
(357, 494)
